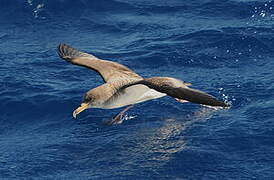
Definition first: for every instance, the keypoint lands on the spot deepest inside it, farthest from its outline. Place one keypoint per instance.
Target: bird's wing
(178, 89)
(109, 71)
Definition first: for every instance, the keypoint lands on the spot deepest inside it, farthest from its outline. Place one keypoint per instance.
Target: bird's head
(95, 98)
(88, 101)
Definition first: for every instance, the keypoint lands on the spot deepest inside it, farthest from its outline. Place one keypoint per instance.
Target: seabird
(123, 87)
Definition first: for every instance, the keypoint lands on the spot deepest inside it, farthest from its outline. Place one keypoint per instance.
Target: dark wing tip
(69, 53)
(221, 104)
(166, 85)
(64, 51)
(200, 97)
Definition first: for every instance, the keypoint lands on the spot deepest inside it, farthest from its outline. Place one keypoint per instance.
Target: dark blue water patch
(202, 8)
(230, 50)
(153, 60)
(220, 163)
(259, 113)
(58, 11)
(192, 158)
(243, 43)
(168, 9)
(233, 9)
(225, 41)
(50, 9)
(248, 30)
(110, 6)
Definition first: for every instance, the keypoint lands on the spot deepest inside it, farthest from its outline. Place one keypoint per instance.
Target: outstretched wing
(178, 89)
(108, 70)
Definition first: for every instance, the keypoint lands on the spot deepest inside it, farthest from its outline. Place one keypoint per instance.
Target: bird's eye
(86, 98)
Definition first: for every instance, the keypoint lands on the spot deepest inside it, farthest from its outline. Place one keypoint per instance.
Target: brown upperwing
(108, 70)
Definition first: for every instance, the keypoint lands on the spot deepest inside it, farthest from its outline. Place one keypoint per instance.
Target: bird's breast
(131, 95)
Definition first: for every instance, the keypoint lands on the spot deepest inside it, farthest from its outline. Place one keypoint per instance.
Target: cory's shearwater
(123, 87)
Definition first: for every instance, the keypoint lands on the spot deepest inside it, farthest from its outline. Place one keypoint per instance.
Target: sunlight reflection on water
(159, 145)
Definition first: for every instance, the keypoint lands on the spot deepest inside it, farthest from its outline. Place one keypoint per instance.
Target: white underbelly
(132, 95)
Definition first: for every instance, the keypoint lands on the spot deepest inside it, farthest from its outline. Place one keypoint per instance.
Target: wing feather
(108, 70)
(178, 89)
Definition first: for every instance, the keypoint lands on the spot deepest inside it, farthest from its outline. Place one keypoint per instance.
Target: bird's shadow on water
(173, 123)
(144, 143)
(154, 141)
(167, 114)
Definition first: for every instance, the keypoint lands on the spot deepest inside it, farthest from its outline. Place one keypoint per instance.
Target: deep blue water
(223, 47)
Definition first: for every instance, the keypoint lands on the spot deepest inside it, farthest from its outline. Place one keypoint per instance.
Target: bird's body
(131, 95)
(124, 87)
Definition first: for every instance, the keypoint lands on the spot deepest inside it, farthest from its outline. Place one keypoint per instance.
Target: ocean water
(223, 47)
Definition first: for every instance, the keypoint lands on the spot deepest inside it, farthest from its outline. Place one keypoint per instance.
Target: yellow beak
(80, 109)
